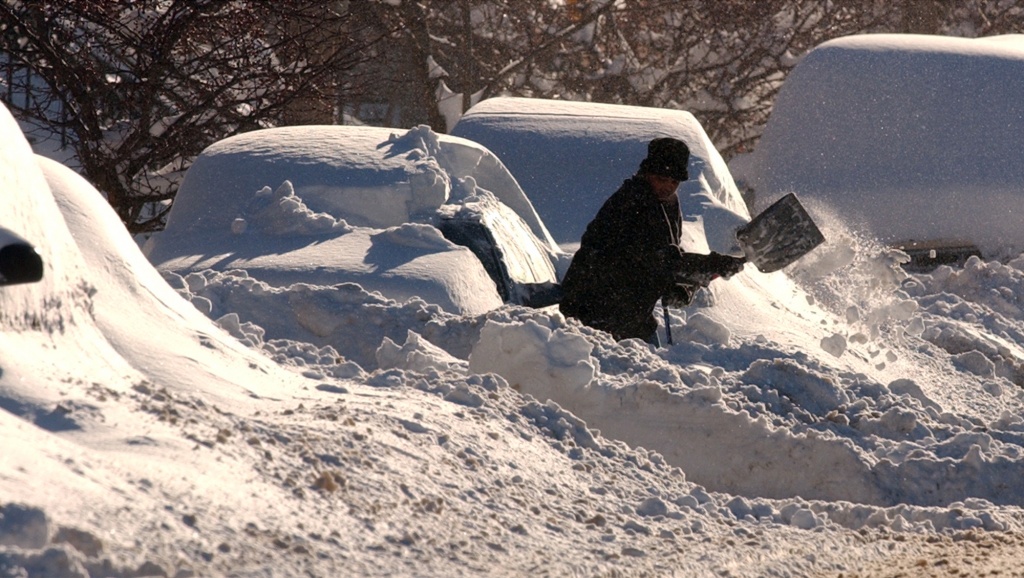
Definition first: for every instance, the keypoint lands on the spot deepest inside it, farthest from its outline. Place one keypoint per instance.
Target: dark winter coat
(627, 260)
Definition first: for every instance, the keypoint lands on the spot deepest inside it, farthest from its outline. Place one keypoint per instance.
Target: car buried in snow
(915, 139)
(401, 213)
(569, 157)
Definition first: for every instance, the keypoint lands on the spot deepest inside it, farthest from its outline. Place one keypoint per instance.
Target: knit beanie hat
(667, 157)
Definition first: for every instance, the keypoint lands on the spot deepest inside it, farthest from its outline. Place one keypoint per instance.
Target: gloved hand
(702, 269)
(724, 266)
(679, 296)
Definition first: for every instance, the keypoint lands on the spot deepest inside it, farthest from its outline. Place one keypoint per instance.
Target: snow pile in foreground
(861, 408)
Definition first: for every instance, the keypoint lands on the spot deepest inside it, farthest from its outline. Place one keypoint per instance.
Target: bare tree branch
(140, 87)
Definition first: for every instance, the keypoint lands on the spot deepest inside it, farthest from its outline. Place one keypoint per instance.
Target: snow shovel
(778, 236)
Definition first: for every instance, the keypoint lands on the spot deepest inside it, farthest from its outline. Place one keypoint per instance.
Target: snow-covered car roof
(919, 137)
(333, 204)
(570, 157)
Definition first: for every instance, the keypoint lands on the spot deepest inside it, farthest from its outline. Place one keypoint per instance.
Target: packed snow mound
(570, 157)
(28, 211)
(917, 137)
(111, 256)
(410, 261)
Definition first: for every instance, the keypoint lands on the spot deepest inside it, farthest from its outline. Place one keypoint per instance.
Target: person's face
(664, 187)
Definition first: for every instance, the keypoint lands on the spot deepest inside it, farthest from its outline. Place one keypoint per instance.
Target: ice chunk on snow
(416, 354)
(529, 353)
(282, 212)
(834, 344)
(701, 328)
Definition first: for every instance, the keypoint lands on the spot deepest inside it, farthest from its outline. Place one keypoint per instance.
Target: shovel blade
(780, 235)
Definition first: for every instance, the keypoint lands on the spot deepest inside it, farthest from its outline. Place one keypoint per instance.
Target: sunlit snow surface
(319, 429)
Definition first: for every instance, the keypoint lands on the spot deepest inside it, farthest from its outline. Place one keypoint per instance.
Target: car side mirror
(19, 260)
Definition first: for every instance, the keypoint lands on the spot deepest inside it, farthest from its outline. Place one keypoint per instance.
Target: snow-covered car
(569, 157)
(403, 213)
(918, 138)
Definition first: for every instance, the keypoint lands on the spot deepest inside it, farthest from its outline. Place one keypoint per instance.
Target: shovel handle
(668, 325)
